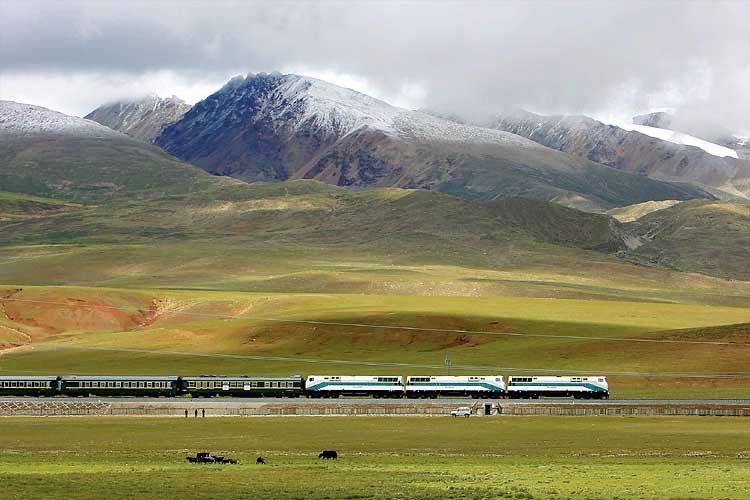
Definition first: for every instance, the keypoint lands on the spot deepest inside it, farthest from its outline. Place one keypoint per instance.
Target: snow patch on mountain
(679, 138)
(26, 119)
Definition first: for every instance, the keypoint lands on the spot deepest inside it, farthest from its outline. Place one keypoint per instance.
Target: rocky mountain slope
(277, 127)
(632, 152)
(143, 118)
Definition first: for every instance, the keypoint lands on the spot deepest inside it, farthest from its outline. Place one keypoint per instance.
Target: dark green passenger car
(243, 386)
(102, 385)
(24, 385)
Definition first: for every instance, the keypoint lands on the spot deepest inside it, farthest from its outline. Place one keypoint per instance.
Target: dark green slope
(92, 168)
(710, 237)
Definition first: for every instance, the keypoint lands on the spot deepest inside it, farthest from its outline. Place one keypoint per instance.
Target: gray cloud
(467, 57)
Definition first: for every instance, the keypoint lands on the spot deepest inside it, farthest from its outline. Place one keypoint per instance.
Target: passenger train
(315, 386)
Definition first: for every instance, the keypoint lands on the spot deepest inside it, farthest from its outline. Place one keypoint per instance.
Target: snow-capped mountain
(274, 126)
(18, 119)
(660, 154)
(143, 118)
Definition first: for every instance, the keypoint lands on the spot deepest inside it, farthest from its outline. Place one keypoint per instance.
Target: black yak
(326, 454)
(260, 460)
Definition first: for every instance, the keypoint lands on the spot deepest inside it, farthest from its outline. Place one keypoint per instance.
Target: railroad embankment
(218, 408)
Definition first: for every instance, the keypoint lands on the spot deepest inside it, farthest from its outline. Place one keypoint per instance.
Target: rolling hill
(705, 236)
(49, 154)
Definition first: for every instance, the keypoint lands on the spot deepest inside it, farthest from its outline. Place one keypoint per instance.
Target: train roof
(139, 378)
(28, 377)
(557, 376)
(357, 376)
(241, 377)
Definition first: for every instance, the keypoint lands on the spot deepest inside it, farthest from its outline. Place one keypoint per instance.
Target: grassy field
(512, 457)
(67, 330)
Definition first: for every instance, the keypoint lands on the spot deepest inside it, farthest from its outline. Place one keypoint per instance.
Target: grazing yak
(326, 454)
(260, 460)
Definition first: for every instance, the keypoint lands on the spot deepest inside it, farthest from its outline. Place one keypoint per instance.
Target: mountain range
(633, 152)
(270, 127)
(125, 191)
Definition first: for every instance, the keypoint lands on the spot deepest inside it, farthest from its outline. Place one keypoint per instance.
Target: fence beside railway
(606, 409)
(216, 408)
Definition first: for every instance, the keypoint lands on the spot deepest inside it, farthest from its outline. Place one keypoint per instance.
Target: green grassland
(94, 330)
(434, 457)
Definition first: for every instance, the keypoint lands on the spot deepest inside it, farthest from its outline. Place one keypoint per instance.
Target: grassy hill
(84, 168)
(305, 236)
(632, 213)
(708, 237)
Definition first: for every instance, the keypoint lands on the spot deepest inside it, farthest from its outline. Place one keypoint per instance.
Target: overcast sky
(603, 58)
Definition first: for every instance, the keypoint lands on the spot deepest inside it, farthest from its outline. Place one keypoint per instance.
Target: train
(313, 386)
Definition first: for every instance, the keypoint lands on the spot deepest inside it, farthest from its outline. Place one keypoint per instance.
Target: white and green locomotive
(333, 386)
(433, 386)
(578, 387)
